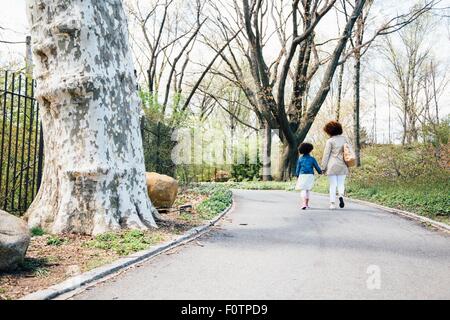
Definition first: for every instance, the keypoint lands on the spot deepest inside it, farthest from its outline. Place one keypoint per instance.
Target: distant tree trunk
(94, 175)
(405, 124)
(267, 153)
(357, 89)
(339, 101)
(356, 111)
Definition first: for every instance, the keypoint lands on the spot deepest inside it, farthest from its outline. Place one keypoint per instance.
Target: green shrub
(246, 172)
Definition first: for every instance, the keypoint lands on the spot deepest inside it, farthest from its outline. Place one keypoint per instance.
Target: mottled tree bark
(94, 177)
(267, 153)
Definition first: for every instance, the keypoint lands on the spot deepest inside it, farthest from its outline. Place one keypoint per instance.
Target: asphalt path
(267, 248)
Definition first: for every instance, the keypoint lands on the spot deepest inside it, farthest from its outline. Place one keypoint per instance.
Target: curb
(77, 282)
(409, 215)
(405, 214)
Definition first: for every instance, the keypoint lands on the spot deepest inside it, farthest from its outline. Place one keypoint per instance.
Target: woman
(333, 163)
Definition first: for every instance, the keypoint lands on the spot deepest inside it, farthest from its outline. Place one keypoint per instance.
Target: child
(305, 172)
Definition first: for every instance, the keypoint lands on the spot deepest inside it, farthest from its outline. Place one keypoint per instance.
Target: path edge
(405, 214)
(76, 283)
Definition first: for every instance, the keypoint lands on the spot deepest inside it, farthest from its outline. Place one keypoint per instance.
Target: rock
(162, 190)
(222, 176)
(14, 240)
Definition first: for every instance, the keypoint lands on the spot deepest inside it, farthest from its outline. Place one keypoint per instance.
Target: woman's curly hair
(305, 148)
(333, 128)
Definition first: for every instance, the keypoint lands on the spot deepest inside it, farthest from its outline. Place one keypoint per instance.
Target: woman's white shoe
(332, 207)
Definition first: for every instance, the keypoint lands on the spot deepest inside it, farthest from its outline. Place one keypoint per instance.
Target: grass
(37, 267)
(426, 198)
(126, 242)
(219, 198)
(262, 185)
(37, 232)
(55, 241)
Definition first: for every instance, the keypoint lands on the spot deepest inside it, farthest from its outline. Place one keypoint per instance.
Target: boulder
(14, 240)
(222, 176)
(162, 190)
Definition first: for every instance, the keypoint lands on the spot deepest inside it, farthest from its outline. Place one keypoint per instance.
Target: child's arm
(316, 165)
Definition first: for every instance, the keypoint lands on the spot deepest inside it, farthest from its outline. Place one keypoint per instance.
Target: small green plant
(37, 232)
(41, 272)
(124, 243)
(37, 267)
(186, 217)
(55, 241)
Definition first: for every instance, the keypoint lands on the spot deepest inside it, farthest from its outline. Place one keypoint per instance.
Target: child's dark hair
(306, 148)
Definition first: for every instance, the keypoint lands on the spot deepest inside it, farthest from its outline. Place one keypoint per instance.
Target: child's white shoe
(332, 206)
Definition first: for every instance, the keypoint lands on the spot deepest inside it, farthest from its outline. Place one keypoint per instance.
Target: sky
(16, 28)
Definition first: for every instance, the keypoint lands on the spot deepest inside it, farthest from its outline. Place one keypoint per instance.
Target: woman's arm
(326, 156)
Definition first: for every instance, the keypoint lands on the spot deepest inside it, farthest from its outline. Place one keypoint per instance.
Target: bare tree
(357, 42)
(360, 46)
(407, 55)
(435, 83)
(298, 61)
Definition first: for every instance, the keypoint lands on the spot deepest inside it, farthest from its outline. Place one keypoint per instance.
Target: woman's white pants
(337, 183)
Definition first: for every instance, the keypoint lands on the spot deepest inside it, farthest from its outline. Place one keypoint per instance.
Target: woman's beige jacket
(333, 157)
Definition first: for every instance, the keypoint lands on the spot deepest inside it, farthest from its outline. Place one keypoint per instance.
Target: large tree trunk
(288, 160)
(94, 177)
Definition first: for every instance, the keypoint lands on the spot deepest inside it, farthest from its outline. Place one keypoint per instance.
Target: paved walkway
(267, 248)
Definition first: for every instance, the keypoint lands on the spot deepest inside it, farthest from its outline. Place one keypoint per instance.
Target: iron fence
(21, 142)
